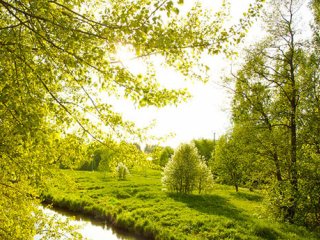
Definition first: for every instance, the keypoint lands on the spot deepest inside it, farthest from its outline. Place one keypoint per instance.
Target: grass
(139, 205)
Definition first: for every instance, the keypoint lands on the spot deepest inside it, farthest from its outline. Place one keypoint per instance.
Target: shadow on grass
(247, 196)
(210, 204)
(220, 206)
(265, 232)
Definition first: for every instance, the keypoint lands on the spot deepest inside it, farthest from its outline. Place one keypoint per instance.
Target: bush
(205, 179)
(186, 171)
(122, 171)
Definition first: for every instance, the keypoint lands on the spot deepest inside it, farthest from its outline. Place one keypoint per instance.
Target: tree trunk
(293, 167)
(293, 131)
(277, 164)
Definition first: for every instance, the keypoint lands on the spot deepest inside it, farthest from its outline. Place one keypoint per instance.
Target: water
(90, 229)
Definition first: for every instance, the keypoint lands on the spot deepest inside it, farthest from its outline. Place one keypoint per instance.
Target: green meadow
(139, 205)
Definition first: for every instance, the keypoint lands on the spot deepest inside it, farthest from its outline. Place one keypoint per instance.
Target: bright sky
(203, 115)
(200, 117)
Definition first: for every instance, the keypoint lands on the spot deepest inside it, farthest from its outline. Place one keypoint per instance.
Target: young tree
(205, 178)
(122, 171)
(228, 163)
(186, 171)
(181, 171)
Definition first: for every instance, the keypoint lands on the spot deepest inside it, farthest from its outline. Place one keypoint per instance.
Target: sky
(201, 116)
(207, 113)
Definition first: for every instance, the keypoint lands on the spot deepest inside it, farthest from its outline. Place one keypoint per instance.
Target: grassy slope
(140, 206)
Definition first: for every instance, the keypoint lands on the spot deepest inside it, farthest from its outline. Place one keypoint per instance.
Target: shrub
(122, 171)
(186, 171)
(205, 179)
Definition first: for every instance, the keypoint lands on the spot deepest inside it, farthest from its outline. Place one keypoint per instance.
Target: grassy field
(139, 205)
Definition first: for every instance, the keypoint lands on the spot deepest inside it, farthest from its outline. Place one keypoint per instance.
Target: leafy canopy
(58, 69)
(276, 110)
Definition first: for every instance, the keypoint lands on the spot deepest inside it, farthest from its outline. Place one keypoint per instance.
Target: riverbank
(139, 205)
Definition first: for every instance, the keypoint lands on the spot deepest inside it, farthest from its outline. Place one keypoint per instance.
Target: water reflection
(90, 229)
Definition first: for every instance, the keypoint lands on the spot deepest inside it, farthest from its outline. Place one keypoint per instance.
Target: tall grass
(140, 206)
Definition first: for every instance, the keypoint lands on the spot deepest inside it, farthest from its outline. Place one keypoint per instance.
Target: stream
(90, 229)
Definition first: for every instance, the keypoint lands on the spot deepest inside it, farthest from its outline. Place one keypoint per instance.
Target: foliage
(186, 171)
(100, 156)
(122, 171)
(228, 165)
(149, 148)
(205, 148)
(160, 155)
(310, 187)
(51, 226)
(165, 155)
(155, 154)
(72, 150)
(59, 69)
(205, 178)
(139, 205)
(107, 157)
(129, 155)
(276, 102)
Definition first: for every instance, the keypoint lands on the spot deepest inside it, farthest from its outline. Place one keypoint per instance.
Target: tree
(165, 155)
(72, 150)
(276, 100)
(58, 66)
(186, 171)
(205, 148)
(149, 148)
(100, 156)
(310, 150)
(228, 164)
(160, 155)
(156, 154)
